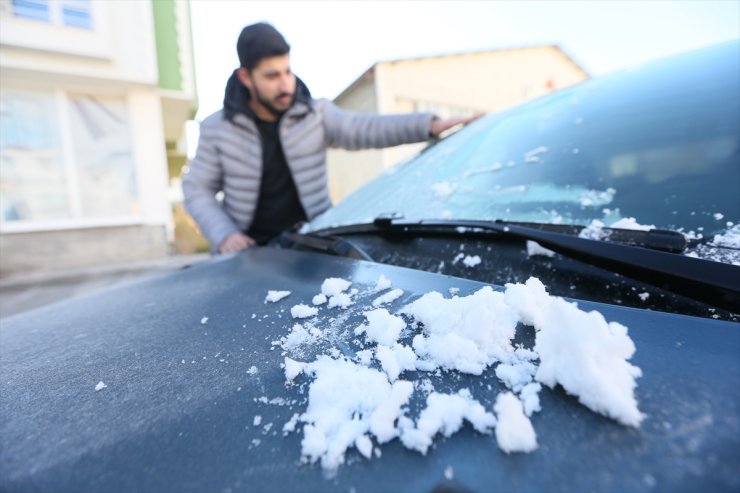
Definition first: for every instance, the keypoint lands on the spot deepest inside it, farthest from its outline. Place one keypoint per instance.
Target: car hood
(188, 363)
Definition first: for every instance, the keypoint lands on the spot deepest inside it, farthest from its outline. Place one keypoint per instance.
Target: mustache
(289, 94)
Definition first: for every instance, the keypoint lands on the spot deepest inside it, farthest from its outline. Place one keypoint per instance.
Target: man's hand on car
(235, 242)
(439, 125)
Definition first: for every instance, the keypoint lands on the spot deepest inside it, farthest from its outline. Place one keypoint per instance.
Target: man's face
(272, 85)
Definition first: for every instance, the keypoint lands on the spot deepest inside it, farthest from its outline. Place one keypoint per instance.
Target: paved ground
(22, 292)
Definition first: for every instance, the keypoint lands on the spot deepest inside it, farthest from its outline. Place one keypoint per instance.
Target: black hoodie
(278, 206)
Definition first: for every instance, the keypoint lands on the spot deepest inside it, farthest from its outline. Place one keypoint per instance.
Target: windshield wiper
(648, 256)
(327, 244)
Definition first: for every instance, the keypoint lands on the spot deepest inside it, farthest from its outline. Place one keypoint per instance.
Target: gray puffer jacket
(229, 155)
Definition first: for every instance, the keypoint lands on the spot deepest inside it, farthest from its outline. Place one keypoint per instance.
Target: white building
(93, 99)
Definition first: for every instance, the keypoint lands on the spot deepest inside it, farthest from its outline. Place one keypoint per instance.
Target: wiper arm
(327, 244)
(710, 282)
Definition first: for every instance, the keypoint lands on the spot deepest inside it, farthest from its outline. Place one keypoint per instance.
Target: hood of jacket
(236, 97)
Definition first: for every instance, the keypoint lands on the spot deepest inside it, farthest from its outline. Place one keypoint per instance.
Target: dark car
(546, 300)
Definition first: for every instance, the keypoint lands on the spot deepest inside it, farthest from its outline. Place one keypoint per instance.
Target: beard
(271, 105)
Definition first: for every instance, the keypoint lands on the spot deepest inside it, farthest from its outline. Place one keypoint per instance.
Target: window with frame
(71, 13)
(65, 157)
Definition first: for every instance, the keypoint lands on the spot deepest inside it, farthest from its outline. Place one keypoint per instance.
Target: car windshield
(654, 146)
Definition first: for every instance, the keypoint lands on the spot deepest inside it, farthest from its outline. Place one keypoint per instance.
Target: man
(266, 149)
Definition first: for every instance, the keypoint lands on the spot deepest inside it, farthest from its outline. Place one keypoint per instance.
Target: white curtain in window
(102, 145)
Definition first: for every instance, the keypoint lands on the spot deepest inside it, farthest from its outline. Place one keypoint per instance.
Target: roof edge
(369, 71)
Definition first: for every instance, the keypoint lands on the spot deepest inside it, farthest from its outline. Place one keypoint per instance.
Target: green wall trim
(168, 51)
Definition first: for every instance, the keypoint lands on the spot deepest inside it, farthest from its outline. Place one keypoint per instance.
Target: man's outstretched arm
(354, 130)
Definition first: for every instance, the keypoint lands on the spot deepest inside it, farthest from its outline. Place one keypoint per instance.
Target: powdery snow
(364, 357)
(342, 300)
(382, 283)
(334, 286)
(395, 360)
(580, 351)
(293, 369)
(516, 376)
(594, 231)
(100, 386)
(534, 248)
(530, 396)
(388, 297)
(319, 299)
(730, 239)
(346, 404)
(596, 198)
(471, 261)
(360, 400)
(631, 223)
(466, 334)
(300, 336)
(303, 311)
(444, 414)
(381, 327)
(273, 296)
(289, 427)
(514, 432)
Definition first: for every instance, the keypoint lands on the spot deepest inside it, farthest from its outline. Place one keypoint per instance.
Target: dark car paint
(165, 425)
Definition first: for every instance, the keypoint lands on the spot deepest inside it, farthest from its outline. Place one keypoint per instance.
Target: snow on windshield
(360, 398)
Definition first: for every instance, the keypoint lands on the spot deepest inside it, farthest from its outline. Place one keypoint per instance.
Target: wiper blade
(649, 260)
(664, 240)
(654, 239)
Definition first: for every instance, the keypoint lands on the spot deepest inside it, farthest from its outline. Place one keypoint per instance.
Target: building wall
(107, 52)
(350, 169)
(454, 85)
(83, 160)
(70, 248)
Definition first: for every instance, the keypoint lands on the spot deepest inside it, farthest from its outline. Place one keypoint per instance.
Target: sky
(334, 42)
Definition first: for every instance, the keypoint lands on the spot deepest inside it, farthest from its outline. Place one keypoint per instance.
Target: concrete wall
(45, 250)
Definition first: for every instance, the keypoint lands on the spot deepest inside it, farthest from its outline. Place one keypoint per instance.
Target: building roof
(370, 72)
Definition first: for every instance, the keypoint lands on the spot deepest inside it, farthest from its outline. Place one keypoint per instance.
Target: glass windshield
(659, 144)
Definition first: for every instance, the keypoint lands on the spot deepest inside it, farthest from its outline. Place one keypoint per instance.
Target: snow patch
(534, 248)
(514, 432)
(303, 311)
(274, 296)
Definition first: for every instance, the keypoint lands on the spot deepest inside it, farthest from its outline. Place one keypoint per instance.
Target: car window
(659, 144)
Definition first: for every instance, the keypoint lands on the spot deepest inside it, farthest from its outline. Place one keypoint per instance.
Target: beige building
(94, 96)
(448, 85)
